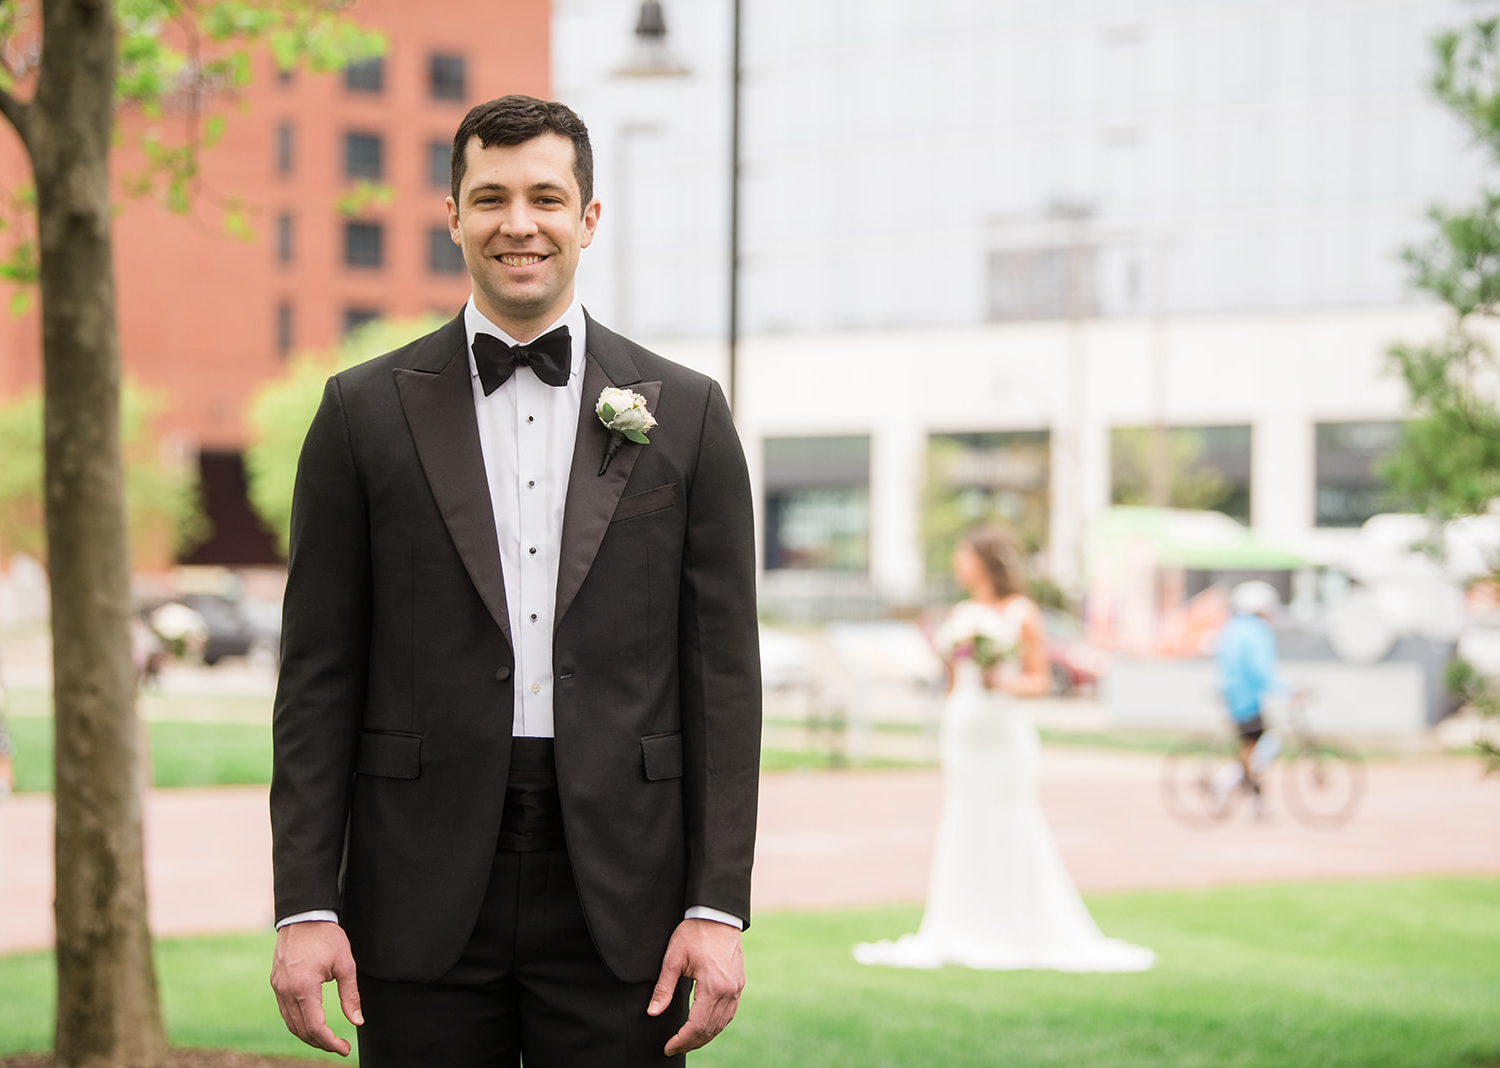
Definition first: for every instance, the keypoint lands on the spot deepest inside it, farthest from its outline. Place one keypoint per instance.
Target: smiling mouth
(515, 260)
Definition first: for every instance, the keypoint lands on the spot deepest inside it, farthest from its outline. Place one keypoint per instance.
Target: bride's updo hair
(998, 550)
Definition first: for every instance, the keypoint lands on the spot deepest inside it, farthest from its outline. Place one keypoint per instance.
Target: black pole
(734, 208)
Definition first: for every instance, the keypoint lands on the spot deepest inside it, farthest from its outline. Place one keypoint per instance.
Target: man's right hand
(308, 955)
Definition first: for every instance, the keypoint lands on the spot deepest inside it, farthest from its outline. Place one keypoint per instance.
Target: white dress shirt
(526, 434)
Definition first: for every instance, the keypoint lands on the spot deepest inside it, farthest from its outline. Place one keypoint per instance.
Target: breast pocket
(644, 503)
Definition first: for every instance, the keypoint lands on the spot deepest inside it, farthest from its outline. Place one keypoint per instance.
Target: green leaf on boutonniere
(637, 437)
(607, 412)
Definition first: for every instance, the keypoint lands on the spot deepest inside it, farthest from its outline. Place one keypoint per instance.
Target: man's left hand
(707, 952)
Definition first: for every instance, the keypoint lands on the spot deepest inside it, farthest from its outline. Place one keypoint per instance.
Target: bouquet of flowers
(979, 633)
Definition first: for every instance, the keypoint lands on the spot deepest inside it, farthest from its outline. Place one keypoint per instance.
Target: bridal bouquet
(978, 633)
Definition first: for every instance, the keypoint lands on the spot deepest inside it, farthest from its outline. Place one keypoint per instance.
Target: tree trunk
(108, 1013)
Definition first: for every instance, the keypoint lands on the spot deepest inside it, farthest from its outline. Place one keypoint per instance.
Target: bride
(998, 895)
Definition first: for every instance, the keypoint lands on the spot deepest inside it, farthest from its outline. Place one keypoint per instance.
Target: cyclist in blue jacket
(1248, 674)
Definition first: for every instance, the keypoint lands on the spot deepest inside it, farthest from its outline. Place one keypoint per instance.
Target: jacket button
(502, 674)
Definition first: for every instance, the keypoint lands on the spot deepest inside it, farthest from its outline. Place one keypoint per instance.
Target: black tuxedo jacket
(392, 726)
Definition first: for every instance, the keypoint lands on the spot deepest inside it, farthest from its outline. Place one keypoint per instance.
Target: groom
(518, 720)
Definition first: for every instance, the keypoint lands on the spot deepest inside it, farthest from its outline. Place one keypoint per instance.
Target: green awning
(1194, 540)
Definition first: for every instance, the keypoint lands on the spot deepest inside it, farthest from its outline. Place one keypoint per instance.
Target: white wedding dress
(998, 896)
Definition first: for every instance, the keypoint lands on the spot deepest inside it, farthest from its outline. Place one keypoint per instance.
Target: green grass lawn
(1388, 973)
(1381, 973)
(231, 754)
(182, 754)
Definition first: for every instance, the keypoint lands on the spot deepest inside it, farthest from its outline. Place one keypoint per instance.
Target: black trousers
(530, 987)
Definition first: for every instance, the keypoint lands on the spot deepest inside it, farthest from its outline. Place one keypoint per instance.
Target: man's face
(520, 222)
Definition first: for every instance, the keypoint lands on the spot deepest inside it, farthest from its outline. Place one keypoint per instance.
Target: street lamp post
(650, 58)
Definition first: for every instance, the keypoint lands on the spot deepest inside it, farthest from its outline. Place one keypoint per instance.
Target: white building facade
(1027, 229)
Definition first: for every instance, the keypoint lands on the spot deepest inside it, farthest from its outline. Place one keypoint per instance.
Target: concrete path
(832, 839)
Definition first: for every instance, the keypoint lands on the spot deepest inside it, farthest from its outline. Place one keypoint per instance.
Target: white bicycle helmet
(1254, 598)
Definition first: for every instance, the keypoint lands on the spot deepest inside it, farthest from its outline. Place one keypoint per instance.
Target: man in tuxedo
(517, 727)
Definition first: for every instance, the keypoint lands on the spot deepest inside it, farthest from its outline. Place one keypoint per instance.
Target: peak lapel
(591, 496)
(439, 404)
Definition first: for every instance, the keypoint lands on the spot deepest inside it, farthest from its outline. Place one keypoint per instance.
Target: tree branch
(19, 115)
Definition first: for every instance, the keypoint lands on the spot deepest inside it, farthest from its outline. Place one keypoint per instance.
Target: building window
(363, 244)
(354, 318)
(284, 158)
(446, 77)
(364, 156)
(1041, 283)
(443, 256)
(439, 164)
(1349, 487)
(1206, 467)
(365, 76)
(284, 329)
(980, 478)
(284, 248)
(818, 503)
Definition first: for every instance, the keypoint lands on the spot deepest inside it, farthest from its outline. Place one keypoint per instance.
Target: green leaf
(637, 436)
(19, 302)
(608, 412)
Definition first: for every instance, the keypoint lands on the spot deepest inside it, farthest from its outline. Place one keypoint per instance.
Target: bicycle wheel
(1324, 784)
(1195, 786)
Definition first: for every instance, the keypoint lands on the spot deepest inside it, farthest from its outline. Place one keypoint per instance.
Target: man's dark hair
(516, 119)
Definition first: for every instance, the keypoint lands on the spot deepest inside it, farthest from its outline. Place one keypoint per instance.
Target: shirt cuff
(703, 912)
(326, 915)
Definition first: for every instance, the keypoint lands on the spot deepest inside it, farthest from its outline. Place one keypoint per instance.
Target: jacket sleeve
(719, 661)
(324, 655)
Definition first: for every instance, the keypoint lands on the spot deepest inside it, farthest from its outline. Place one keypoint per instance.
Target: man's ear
(590, 223)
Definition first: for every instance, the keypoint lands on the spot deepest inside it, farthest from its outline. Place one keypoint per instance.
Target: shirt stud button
(531, 484)
(532, 550)
(531, 418)
(536, 687)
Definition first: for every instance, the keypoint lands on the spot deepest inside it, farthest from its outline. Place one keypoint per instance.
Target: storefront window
(818, 503)
(1349, 486)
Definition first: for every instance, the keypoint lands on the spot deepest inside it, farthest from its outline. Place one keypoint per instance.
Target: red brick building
(206, 316)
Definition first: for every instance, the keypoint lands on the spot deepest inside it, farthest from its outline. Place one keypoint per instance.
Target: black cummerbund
(532, 820)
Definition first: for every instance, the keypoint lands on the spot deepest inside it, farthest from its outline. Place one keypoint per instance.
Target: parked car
(235, 626)
(1076, 665)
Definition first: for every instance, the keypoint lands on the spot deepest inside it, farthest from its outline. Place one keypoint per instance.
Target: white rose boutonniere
(625, 415)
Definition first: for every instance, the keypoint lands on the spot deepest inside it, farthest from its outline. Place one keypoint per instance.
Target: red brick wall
(198, 307)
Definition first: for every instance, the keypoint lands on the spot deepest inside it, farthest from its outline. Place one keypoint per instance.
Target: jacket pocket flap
(392, 756)
(651, 500)
(663, 755)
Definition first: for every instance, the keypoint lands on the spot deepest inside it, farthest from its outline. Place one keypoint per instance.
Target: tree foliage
(176, 61)
(282, 409)
(1448, 462)
(163, 507)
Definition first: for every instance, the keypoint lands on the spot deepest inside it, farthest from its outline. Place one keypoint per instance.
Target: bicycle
(1202, 779)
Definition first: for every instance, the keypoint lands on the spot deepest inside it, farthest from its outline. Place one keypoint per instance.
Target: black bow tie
(549, 356)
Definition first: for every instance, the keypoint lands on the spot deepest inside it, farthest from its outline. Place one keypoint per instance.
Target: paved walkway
(832, 839)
